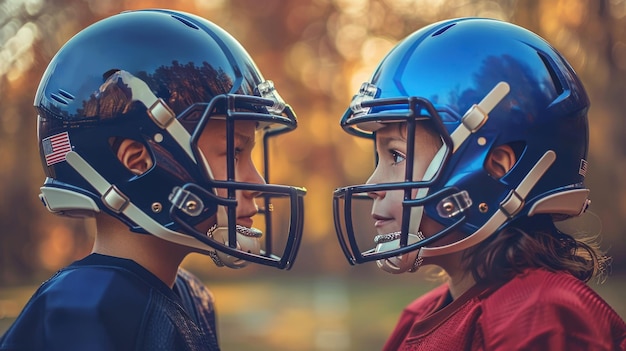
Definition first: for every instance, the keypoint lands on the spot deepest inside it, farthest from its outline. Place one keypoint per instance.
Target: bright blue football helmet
(481, 83)
(158, 77)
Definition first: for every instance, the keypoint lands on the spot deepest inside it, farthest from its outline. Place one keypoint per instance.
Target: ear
(134, 156)
(500, 160)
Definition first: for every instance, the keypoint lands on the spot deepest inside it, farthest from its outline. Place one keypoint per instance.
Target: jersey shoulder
(550, 308)
(105, 304)
(195, 287)
(540, 287)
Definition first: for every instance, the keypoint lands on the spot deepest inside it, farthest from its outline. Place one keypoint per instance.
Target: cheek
(395, 199)
(430, 227)
(419, 166)
(221, 192)
(218, 171)
(215, 157)
(387, 174)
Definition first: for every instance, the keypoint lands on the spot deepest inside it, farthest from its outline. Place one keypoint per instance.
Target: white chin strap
(248, 239)
(509, 207)
(408, 262)
(472, 121)
(117, 202)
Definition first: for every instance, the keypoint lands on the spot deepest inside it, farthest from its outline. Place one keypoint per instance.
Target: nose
(252, 175)
(374, 179)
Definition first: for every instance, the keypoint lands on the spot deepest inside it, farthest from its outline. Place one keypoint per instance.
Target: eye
(238, 152)
(397, 156)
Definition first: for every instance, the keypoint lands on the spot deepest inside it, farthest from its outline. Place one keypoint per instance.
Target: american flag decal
(583, 168)
(56, 147)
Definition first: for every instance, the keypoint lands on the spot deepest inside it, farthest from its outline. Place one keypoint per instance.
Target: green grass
(308, 313)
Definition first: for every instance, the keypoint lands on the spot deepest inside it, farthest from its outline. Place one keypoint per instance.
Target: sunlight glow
(212, 5)
(56, 246)
(16, 53)
(33, 7)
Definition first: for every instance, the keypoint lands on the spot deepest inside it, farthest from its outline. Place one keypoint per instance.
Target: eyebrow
(243, 139)
(386, 140)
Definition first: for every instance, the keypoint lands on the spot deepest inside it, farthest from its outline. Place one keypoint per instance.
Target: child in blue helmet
(481, 138)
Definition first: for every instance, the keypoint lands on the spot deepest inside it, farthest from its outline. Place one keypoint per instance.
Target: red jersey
(537, 310)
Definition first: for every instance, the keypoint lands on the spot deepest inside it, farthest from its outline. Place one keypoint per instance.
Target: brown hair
(536, 243)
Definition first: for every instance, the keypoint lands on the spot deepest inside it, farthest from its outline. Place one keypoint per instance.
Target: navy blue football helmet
(158, 77)
(481, 83)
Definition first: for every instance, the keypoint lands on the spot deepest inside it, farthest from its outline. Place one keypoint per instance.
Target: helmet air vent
(558, 86)
(62, 96)
(443, 29)
(186, 22)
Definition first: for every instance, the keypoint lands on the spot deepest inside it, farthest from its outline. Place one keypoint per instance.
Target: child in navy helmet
(147, 121)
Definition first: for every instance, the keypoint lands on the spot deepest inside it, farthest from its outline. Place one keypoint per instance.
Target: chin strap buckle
(186, 201)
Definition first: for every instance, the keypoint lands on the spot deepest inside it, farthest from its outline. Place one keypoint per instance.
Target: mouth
(245, 221)
(381, 221)
(245, 228)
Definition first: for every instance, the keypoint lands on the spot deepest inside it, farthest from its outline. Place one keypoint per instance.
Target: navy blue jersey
(109, 303)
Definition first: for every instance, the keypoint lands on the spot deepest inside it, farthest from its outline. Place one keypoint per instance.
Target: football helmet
(158, 77)
(482, 83)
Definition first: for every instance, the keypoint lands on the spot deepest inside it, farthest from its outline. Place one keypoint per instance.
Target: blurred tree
(318, 52)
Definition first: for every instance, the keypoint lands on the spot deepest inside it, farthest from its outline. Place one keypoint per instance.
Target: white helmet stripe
(477, 115)
(160, 113)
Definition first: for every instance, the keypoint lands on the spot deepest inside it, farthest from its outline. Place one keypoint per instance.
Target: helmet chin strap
(409, 262)
(472, 121)
(248, 239)
(509, 207)
(117, 202)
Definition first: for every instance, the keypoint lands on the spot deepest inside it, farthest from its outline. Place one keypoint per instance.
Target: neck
(460, 283)
(160, 257)
(461, 280)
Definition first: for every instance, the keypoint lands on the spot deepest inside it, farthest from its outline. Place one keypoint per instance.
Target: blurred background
(317, 52)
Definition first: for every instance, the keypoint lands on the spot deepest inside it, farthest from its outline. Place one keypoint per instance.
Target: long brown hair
(536, 243)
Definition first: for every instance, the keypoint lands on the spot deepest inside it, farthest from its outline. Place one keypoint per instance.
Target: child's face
(212, 143)
(391, 147)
